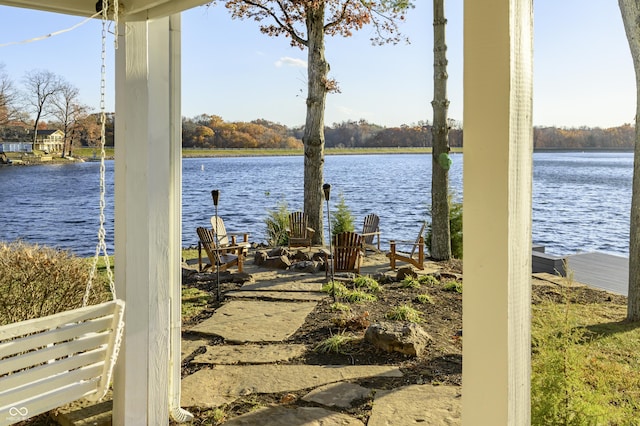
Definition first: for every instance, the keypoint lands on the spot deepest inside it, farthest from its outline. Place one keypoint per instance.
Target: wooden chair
(224, 257)
(300, 234)
(347, 247)
(371, 232)
(410, 256)
(226, 240)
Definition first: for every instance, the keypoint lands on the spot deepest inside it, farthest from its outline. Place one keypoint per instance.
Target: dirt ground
(441, 319)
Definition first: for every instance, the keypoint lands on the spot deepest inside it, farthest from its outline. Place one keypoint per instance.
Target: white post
(498, 145)
(147, 216)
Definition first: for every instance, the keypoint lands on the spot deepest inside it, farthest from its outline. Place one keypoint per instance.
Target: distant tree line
(211, 131)
(27, 108)
(621, 137)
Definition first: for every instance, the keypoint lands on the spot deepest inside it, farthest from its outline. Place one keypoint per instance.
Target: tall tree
(440, 228)
(40, 88)
(67, 109)
(631, 18)
(306, 22)
(8, 98)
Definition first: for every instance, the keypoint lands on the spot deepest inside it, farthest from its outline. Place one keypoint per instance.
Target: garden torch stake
(215, 194)
(327, 190)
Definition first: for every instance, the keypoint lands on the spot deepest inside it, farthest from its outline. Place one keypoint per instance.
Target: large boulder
(404, 272)
(306, 266)
(279, 251)
(301, 256)
(260, 257)
(277, 262)
(406, 338)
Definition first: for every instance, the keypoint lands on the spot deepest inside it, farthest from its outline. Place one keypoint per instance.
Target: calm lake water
(581, 201)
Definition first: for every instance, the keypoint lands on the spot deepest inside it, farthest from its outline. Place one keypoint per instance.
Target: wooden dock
(600, 270)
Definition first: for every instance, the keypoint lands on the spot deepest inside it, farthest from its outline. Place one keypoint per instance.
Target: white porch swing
(51, 361)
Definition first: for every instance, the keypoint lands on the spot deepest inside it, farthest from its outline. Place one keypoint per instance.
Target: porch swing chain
(101, 247)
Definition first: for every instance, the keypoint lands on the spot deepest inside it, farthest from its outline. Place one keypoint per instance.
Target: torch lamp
(215, 195)
(326, 188)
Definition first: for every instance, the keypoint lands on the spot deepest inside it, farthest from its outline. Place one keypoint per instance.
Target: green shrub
(452, 285)
(358, 296)
(455, 222)
(455, 229)
(334, 344)
(368, 283)
(428, 279)
(37, 281)
(423, 299)
(277, 222)
(334, 287)
(341, 218)
(410, 282)
(404, 313)
(337, 306)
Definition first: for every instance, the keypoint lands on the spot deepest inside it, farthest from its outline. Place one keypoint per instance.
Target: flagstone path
(254, 321)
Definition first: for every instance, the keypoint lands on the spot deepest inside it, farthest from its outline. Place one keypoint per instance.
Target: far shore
(90, 154)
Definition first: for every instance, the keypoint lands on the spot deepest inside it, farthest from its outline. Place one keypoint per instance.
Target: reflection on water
(580, 201)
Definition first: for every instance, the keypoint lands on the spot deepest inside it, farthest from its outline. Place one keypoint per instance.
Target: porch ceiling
(130, 10)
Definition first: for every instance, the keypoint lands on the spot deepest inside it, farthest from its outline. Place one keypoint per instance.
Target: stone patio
(254, 321)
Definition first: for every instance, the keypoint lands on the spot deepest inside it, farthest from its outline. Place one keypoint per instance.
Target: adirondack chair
(218, 257)
(371, 232)
(411, 257)
(300, 234)
(226, 240)
(347, 247)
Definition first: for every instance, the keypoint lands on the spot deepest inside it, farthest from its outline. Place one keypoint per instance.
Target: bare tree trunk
(630, 16)
(440, 228)
(313, 137)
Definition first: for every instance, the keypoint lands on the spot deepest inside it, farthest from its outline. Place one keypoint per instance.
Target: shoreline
(34, 160)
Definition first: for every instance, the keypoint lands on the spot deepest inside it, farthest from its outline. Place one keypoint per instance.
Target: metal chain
(101, 247)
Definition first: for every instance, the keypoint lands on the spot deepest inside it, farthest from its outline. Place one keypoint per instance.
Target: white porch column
(497, 212)
(147, 217)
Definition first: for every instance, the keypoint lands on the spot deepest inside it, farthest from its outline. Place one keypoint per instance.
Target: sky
(583, 73)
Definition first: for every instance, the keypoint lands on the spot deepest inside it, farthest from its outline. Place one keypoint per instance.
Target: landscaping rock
(260, 257)
(279, 251)
(306, 266)
(301, 256)
(404, 272)
(406, 338)
(279, 262)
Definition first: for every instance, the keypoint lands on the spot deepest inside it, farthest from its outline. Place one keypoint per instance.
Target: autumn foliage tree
(305, 23)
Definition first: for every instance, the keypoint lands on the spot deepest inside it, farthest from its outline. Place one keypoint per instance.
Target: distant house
(49, 140)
